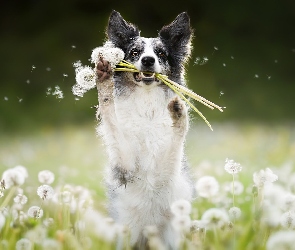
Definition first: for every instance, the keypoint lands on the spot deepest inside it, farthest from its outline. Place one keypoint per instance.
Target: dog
(144, 124)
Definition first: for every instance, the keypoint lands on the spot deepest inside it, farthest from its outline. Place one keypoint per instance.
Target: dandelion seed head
(288, 202)
(181, 223)
(264, 177)
(234, 212)
(48, 222)
(215, 217)
(181, 207)
(35, 212)
(51, 244)
(287, 220)
(283, 240)
(20, 199)
(238, 187)
(198, 226)
(207, 186)
(23, 244)
(232, 167)
(108, 52)
(45, 192)
(46, 177)
(13, 177)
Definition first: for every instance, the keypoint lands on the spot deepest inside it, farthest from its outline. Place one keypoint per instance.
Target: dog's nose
(148, 61)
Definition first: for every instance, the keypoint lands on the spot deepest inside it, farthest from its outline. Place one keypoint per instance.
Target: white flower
(23, 170)
(35, 212)
(281, 240)
(264, 177)
(109, 53)
(51, 244)
(13, 177)
(85, 79)
(215, 218)
(207, 186)
(20, 199)
(181, 207)
(46, 177)
(232, 167)
(23, 244)
(181, 223)
(234, 212)
(288, 220)
(45, 192)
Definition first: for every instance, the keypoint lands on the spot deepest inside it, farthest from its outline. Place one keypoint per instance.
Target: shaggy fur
(144, 124)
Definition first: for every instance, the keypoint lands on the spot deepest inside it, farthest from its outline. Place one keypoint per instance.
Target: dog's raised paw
(103, 70)
(177, 108)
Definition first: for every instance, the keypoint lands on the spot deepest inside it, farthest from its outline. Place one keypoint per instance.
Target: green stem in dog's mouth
(180, 90)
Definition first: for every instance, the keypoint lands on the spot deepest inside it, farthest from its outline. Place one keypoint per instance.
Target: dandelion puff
(108, 52)
(23, 244)
(288, 202)
(198, 226)
(23, 170)
(281, 240)
(58, 92)
(46, 177)
(20, 199)
(181, 223)
(288, 220)
(207, 186)
(45, 192)
(51, 244)
(35, 212)
(48, 222)
(264, 177)
(232, 167)
(181, 207)
(234, 212)
(13, 177)
(85, 77)
(215, 218)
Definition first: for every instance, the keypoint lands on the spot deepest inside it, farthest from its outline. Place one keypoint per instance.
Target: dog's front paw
(103, 70)
(122, 176)
(177, 109)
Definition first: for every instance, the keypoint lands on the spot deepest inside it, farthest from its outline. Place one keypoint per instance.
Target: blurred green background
(243, 57)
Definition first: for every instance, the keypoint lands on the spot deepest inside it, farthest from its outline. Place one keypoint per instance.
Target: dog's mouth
(147, 77)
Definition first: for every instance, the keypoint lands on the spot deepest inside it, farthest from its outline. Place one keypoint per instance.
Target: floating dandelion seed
(276, 61)
(58, 93)
(33, 67)
(215, 48)
(224, 65)
(73, 46)
(35, 212)
(45, 192)
(268, 77)
(48, 69)
(46, 177)
(232, 57)
(23, 244)
(65, 75)
(28, 81)
(232, 167)
(207, 186)
(197, 61)
(5, 98)
(48, 91)
(256, 76)
(181, 207)
(19, 99)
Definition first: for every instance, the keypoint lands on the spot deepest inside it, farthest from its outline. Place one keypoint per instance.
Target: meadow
(244, 175)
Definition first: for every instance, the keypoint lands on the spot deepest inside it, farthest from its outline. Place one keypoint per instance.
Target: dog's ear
(120, 32)
(177, 36)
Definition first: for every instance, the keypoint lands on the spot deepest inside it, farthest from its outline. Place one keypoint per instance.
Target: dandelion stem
(177, 88)
(8, 197)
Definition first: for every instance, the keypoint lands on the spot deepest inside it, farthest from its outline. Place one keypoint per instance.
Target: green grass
(77, 157)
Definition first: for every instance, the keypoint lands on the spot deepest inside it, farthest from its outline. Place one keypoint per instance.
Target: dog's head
(164, 54)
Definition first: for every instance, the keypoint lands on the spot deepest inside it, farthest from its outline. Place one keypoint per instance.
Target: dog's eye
(162, 54)
(134, 53)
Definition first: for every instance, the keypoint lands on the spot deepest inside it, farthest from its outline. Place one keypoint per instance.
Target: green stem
(8, 197)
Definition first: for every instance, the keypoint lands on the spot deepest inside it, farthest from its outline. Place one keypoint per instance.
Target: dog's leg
(117, 146)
